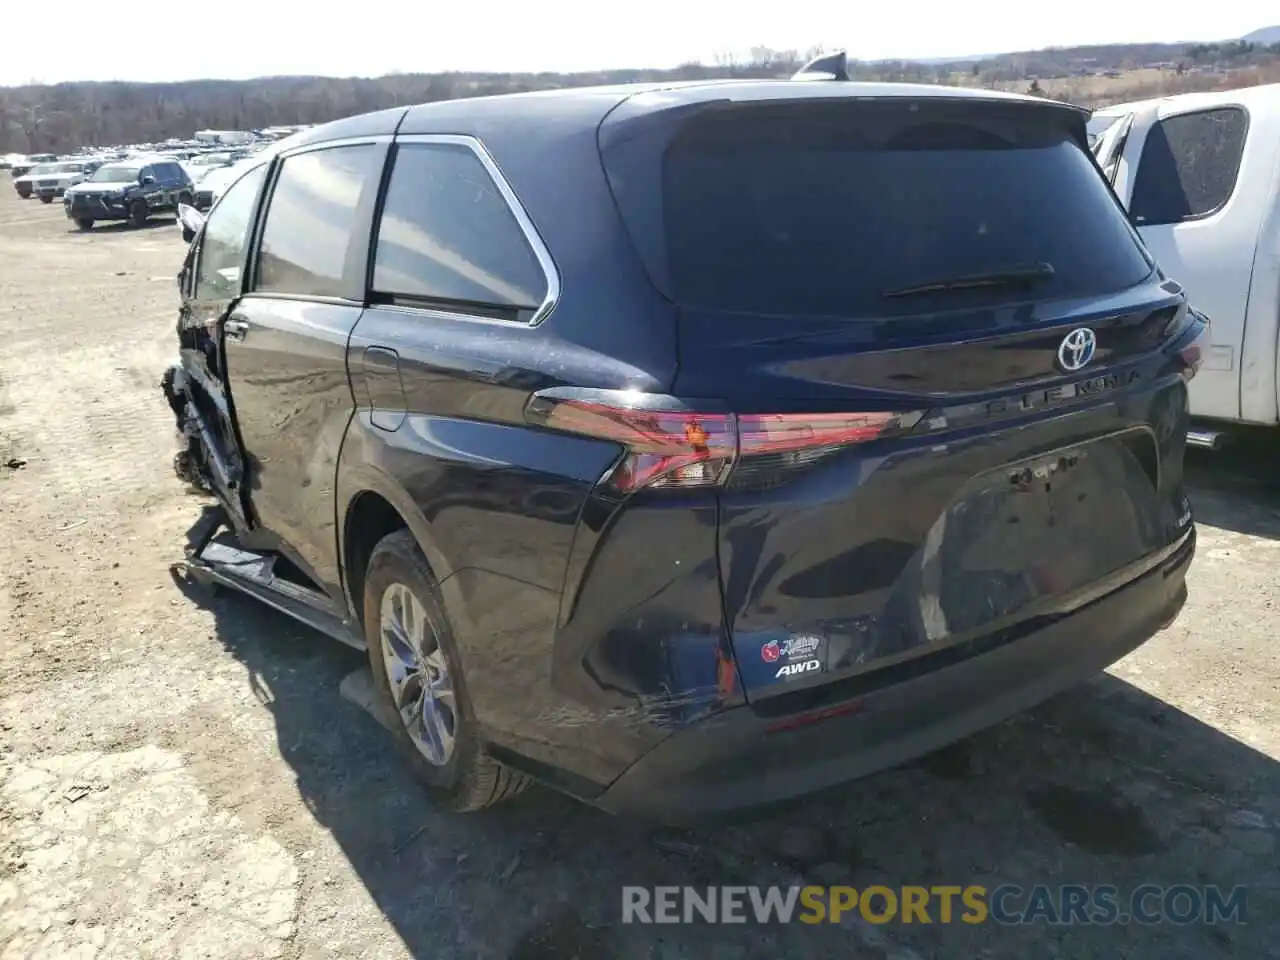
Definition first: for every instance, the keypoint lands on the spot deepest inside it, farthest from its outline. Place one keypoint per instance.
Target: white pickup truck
(1200, 176)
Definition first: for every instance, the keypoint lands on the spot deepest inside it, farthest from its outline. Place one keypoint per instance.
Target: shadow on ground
(1102, 785)
(124, 226)
(1238, 488)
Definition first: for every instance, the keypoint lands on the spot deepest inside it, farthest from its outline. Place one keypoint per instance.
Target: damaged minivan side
(690, 448)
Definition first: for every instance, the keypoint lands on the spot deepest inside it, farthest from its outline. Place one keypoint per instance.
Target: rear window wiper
(1014, 276)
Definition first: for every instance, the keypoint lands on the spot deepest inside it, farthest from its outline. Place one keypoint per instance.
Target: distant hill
(67, 116)
(1264, 37)
(1060, 61)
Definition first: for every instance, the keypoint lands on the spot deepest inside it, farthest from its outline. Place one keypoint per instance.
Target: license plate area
(1020, 535)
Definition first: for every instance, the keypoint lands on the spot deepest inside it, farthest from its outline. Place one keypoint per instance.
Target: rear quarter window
(449, 237)
(819, 209)
(1189, 166)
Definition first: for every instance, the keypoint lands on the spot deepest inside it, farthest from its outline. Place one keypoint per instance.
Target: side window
(172, 173)
(309, 219)
(1188, 166)
(448, 235)
(225, 236)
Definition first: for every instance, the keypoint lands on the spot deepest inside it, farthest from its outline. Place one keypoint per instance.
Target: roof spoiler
(829, 66)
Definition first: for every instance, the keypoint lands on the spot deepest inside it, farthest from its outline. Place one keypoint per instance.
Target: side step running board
(1206, 439)
(214, 561)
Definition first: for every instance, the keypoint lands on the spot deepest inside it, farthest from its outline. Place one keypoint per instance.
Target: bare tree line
(71, 115)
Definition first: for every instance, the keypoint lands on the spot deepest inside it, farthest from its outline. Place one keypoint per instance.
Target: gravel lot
(180, 776)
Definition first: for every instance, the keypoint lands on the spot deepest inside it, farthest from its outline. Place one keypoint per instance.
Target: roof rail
(829, 66)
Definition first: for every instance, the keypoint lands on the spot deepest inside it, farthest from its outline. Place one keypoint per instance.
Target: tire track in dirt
(84, 338)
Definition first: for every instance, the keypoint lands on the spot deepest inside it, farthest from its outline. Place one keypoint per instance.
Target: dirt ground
(179, 776)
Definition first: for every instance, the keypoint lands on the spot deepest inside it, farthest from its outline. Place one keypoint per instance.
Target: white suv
(50, 180)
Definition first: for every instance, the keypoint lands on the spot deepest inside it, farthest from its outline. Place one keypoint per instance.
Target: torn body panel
(206, 461)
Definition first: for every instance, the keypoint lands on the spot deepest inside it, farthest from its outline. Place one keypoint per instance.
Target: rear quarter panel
(494, 502)
(495, 506)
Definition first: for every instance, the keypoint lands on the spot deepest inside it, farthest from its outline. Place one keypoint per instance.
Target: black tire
(471, 779)
(84, 223)
(44, 199)
(138, 213)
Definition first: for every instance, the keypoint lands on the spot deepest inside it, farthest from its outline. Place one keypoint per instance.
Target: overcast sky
(79, 40)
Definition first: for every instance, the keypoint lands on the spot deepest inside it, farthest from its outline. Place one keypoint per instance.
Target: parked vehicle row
(19, 165)
(128, 186)
(687, 448)
(198, 158)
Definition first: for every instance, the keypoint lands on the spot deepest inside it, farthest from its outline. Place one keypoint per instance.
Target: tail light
(664, 447)
(1190, 333)
(815, 716)
(673, 444)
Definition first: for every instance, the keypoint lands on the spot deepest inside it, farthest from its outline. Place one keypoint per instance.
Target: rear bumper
(733, 760)
(110, 209)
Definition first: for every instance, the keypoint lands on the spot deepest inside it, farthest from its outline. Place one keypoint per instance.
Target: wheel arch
(373, 505)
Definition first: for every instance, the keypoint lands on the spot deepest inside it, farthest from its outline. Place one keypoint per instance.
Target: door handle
(235, 328)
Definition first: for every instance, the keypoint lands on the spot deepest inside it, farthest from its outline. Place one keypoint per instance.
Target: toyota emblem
(1077, 349)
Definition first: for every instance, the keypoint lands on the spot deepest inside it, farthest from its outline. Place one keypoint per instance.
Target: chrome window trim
(540, 252)
(311, 147)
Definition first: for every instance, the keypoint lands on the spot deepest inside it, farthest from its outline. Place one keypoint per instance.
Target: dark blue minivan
(689, 447)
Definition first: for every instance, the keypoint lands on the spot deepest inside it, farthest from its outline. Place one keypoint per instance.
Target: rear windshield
(821, 209)
(114, 174)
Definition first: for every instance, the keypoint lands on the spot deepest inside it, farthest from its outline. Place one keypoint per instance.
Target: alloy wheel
(418, 675)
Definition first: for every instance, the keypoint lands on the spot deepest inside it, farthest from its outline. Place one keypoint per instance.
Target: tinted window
(447, 234)
(309, 220)
(1188, 166)
(113, 173)
(820, 209)
(224, 238)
